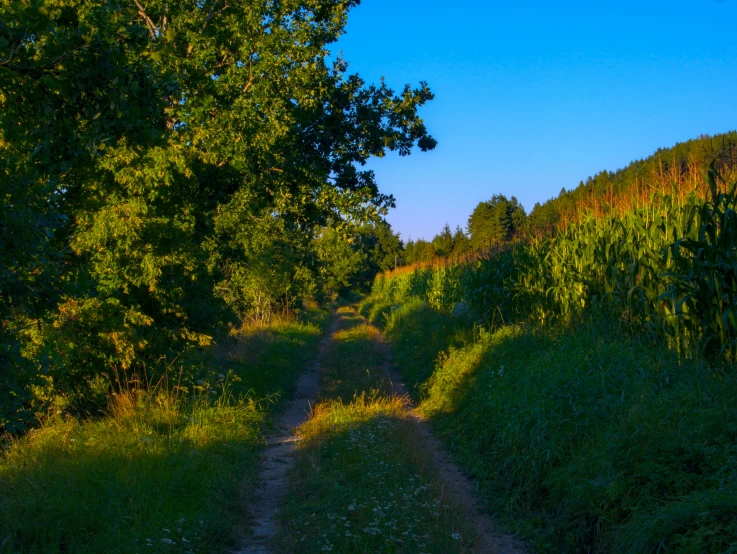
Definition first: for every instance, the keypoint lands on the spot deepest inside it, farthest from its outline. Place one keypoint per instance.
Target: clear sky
(531, 96)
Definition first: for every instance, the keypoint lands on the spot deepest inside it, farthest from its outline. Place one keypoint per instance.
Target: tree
(495, 221)
(427, 254)
(351, 258)
(443, 242)
(156, 157)
(461, 242)
(340, 261)
(383, 249)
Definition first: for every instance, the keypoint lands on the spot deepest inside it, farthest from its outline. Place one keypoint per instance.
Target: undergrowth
(163, 470)
(584, 438)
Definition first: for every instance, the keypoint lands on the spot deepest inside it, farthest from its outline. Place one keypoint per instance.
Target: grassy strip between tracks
(360, 483)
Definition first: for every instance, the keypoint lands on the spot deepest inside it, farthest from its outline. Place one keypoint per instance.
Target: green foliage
(164, 170)
(418, 251)
(383, 249)
(461, 243)
(444, 244)
(499, 221)
(583, 439)
(668, 268)
(495, 222)
(360, 484)
(667, 167)
(492, 224)
(341, 262)
(350, 259)
(607, 423)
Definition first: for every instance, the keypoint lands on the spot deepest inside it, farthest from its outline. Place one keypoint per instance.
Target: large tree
(154, 154)
(351, 259)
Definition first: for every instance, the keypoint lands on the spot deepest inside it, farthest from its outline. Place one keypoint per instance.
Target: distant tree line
(493, 223)
(503, 220)
(681, 166)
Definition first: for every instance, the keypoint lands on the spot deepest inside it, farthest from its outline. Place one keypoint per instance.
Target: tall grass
(583, 439)
(362, 482)
(165, 469)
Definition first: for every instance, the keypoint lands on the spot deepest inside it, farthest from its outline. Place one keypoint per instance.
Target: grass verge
(360, 483)
(581, 440)
(163, 471)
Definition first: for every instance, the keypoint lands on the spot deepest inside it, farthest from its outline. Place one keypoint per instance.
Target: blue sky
(531, 97)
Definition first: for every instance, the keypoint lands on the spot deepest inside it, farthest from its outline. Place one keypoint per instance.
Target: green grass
(417, 346)
(360, 483)
(163, 471)
(582, 439)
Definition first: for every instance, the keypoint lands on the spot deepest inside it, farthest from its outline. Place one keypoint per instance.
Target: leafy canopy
(158, 158)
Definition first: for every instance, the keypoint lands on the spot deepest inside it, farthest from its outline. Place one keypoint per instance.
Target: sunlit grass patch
(158, 474)
(354, 364)
(419, 336)
(267, 360)
(360, 485)
(359, 332)
(376, 309)
(334, 416)
(585, 438)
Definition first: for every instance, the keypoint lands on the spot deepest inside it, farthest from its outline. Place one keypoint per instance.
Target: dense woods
(171, 170)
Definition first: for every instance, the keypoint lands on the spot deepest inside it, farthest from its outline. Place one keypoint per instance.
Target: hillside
(681, 165)
(501, 221)
(585, 380)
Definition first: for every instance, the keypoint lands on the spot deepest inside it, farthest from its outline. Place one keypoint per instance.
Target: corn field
(669, 266)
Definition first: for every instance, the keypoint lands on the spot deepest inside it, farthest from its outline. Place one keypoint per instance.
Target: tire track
(278, 457)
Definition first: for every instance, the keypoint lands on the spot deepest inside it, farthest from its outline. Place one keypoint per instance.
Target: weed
(583, 438)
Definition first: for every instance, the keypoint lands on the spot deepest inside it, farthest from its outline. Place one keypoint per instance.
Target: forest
(212, 340)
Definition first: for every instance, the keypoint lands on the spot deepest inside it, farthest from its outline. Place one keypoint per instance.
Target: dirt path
(278, 458)
(490, 538)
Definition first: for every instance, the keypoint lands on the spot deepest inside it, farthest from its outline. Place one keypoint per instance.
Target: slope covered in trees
(501, 220)
(681, 166)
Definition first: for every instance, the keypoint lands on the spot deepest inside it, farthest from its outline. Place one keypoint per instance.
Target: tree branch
(212, 13)
(46, 67)
(152, 29)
